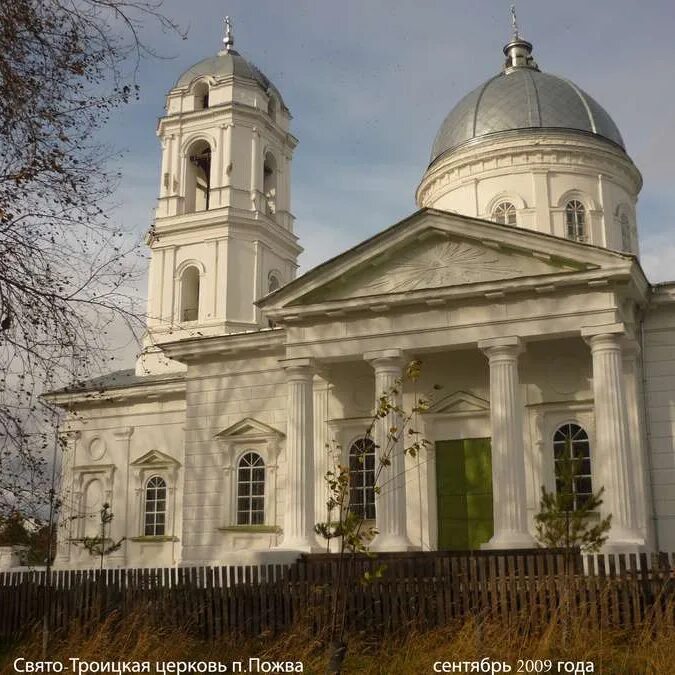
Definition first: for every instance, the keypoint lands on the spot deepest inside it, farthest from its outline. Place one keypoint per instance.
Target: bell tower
(223, 231)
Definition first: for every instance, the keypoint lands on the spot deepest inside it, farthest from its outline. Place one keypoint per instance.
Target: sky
(369, 82)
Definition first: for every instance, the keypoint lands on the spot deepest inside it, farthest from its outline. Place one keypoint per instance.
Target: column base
(391, 543)
(510, 539)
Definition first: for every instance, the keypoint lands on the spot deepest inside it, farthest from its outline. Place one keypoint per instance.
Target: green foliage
(15, 530)
(561, 523)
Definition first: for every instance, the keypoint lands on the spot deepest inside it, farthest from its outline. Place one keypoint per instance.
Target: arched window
(273, 283)
(272, 108)
(504, 213)
(251, 490)
(189, 294)
(201, 94)
(270, 183)
(571, 448)
(575, 220)
(155, 507)
(362, 478)
(198, 179)
(626, 233)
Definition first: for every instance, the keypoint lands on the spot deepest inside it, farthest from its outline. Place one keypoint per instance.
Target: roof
(224, 64)
(523, 98)
(119, 379)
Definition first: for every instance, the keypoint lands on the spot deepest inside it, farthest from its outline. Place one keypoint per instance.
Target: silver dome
(227, 63)
(523, 98)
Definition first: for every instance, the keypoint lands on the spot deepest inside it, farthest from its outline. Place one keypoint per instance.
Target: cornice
(233, 344)
(149, 392)
(527, 155)
(663, 294)
(494, 291)
(237, 113)
(223, 222)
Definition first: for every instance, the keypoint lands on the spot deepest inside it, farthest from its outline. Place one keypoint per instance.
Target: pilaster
(66, 530)
(121, 507)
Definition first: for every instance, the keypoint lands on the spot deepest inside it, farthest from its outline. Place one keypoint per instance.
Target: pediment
(248, 427)
(459, 402)
(155, 458)
(434, 250)
(438, 260)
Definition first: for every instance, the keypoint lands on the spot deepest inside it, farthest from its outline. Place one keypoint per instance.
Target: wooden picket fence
(418, 589)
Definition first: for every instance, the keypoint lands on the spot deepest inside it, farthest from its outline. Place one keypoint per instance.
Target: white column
(611, 457)
(390, 503)
(299, 516)
(508, 456)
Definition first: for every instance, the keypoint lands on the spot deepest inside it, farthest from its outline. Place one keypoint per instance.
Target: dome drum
(534, 137)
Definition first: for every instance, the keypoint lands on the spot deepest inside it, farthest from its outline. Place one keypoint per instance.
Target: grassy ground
(133, 639)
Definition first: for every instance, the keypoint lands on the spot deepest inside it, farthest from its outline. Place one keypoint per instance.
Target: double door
(464, 493)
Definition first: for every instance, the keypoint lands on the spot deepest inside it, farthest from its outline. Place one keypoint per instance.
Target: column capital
(384, 355)
(69, 436)
(501, 346)
(609, 329)
(301, 363)
(124, 433)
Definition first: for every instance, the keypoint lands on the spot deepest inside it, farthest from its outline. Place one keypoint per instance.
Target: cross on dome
(514, 22)
(518, 52)
(228, 40)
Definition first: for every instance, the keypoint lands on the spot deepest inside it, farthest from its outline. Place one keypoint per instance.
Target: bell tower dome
(223, 231)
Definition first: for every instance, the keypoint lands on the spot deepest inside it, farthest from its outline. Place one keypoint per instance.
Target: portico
(564, 301)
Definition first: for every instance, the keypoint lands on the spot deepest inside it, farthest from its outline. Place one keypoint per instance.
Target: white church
(517, 283)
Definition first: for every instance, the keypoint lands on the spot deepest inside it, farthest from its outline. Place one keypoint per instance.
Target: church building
(517, 284)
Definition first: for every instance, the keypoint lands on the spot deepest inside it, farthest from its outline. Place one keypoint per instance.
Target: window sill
(153, 539)
(253, 529)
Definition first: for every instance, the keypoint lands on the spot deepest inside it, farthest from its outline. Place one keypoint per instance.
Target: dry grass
(134, 639)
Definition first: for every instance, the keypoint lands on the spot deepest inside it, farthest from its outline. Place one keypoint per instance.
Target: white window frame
(249, 435)
(581, 207)
(155, 512)
(250, 482)
(154, 463)
(362, 470)
(507, 208)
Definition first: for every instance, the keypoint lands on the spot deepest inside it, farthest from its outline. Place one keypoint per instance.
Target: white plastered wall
(102, 444)
(659, 374)
(219, 395)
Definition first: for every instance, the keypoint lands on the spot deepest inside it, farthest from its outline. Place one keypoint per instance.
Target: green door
(464, 490)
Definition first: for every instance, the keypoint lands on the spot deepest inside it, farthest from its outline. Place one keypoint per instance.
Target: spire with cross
(514, 23)
(228, 40)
